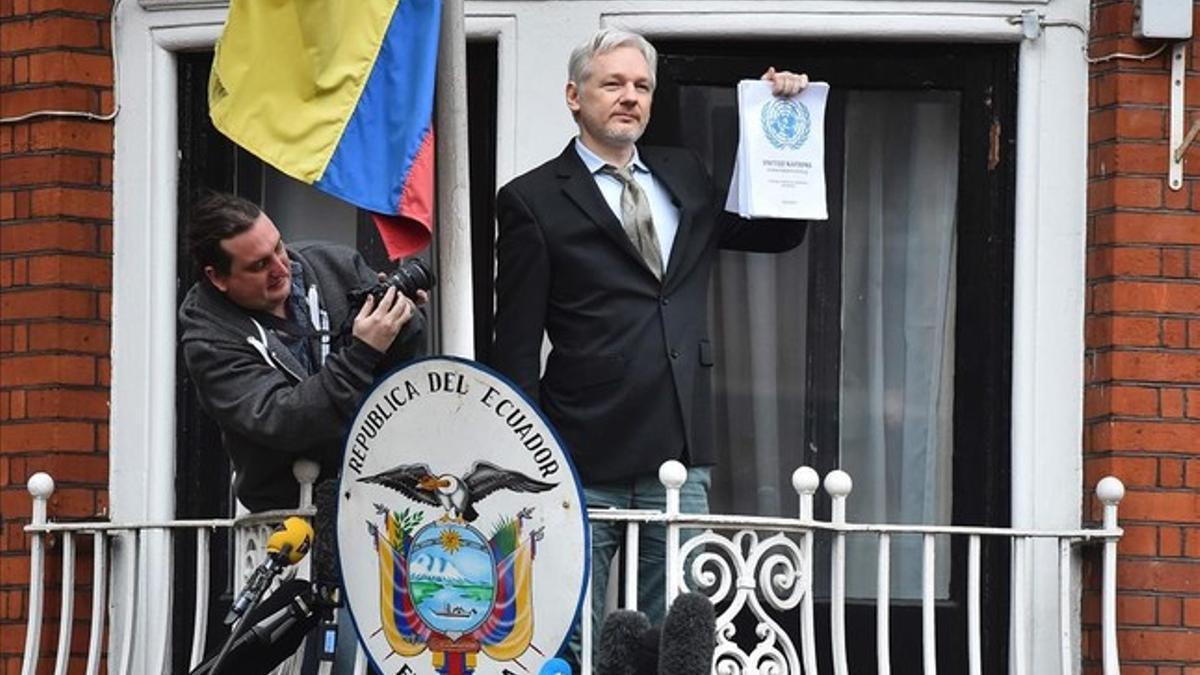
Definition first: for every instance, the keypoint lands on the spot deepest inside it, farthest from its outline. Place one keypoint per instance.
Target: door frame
(1050, 225)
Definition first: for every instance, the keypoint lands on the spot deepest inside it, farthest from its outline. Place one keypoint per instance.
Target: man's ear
(215, 278)
(572, 97)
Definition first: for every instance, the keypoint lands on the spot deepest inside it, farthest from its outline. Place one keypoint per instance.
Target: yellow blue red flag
(338, 95)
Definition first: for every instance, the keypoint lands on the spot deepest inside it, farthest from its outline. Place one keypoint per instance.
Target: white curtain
(759, 314)
(761, 318)
(898, 307)
(896, 394)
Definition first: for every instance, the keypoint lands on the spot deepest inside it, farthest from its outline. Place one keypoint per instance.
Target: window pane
(898, 308)
(302, 212)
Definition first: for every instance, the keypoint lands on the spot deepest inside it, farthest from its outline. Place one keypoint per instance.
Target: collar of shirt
(662, 209)
(594, 162)
(298, 317)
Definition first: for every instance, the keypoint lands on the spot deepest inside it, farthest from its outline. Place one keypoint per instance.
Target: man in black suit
(608, 248)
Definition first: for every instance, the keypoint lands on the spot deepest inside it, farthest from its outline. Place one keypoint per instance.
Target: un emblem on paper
(461, 525)
(786, 123)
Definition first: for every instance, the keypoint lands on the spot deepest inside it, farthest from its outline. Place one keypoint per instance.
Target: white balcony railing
(747, 565)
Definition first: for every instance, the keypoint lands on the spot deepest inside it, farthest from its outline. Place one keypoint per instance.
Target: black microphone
(326, 569)
(646, 651)
(327, 573)
(616, 653)
(285, 547)
(276, 628)
(688, 637)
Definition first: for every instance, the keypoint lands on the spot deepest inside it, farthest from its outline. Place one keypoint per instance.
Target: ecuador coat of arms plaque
(461, 525)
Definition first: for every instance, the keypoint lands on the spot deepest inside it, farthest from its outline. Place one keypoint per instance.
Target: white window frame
(533, 125)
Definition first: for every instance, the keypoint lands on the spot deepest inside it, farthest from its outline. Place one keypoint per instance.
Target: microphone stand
(261, 585)
(269, 629)
(234, 634)
(236, 631)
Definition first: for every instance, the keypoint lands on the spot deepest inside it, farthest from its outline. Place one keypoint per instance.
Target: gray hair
(606, 40)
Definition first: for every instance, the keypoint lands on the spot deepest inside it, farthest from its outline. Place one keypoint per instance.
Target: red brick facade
(55, 282)
(1143, 345)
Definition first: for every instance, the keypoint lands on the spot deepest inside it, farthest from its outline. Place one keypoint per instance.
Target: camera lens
(412, 276)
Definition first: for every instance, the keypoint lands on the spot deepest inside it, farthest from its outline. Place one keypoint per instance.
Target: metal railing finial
(306, 472)
(672, 475)
(838, 484)
(805, 480)
(41, 486)
(1110, 490)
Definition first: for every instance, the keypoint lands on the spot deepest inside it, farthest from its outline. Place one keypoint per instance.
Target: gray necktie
(636, 218)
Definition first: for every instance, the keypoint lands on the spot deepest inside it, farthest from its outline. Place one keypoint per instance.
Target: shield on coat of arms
(461, 524)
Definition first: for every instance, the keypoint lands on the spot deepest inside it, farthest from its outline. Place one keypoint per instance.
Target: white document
(780, 166)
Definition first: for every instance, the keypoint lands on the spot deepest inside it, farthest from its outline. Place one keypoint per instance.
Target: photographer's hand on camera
(379, 324)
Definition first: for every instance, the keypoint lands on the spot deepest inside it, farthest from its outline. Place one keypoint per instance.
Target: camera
(410, 276)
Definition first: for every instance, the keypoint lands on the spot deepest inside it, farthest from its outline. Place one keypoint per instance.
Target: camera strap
(297, 337)
(319, 318)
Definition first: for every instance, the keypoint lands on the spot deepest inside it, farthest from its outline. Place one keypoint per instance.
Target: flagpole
(453, 186)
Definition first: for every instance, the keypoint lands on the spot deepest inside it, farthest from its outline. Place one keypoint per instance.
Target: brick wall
(1143, 347)
(55, 281)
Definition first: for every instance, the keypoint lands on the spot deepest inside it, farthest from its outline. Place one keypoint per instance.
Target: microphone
(616, 653)
(277, 626)
(646, 651)
(688, 637)
(555, 666)
(326, 570)
(286, 546)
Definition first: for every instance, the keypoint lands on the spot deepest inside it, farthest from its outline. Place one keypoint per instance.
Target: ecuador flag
(337, 94)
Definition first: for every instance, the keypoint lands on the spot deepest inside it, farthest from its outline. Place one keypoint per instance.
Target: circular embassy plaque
(461, 527)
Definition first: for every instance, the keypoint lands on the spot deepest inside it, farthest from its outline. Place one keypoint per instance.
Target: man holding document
(608, 248)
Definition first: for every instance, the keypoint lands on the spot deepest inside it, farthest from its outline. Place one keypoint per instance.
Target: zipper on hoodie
(279, 363)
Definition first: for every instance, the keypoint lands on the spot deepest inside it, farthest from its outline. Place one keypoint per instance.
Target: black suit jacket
(627, 380)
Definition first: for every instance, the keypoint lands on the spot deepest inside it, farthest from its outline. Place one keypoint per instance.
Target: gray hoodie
(269, 412)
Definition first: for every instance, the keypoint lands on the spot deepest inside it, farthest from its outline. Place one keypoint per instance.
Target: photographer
(255, 332)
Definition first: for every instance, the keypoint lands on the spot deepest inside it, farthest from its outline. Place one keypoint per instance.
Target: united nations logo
(786, 123)
(473, 557)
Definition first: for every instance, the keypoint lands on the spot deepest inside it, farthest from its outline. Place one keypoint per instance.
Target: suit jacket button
(665, 300)
(674, 353)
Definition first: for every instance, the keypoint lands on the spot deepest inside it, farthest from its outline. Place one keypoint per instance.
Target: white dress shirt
(662, 209)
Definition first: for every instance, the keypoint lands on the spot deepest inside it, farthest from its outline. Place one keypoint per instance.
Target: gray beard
(621, 137)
